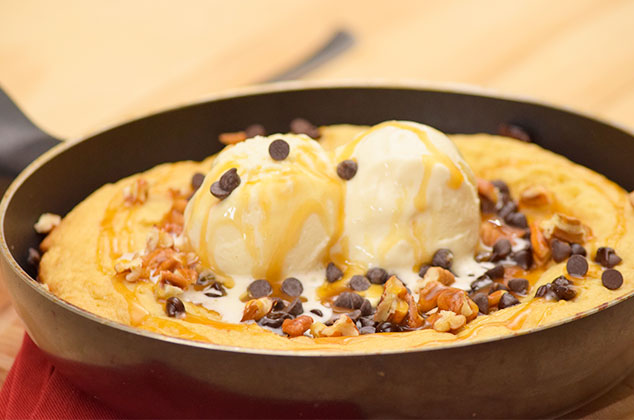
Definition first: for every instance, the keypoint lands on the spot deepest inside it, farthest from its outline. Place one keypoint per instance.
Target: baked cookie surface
(107, 254)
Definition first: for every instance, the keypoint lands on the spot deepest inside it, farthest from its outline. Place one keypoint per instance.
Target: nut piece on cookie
(166, 290)
(47, 222)
(438, 274)
(131, 265)
(256, 309)
(539, 244)
(137, 192)
(298, 326)
(457, 301)
(393, 306)
(535, 196)
(343, 327)
(566, 228)
(445, 321)
(158, 238)
(428, 296)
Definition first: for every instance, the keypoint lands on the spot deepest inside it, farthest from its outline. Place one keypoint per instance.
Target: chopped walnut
(47, 222)
(137, 192)
(343, 327)
(445, 321)
(539, 244)
(256, 309)
(298, 326)
(493, 230)
(535, 196)
(566, 228)
(232, 138)
(171, 266)
(393, 305)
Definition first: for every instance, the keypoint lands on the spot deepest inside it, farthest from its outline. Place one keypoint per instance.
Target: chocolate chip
(317, 312)
(367, 330)
(517, 219)
(292, 287)
(544, 290)
(607, 257)
(377, 275)
(174, 307)
(215, 290)
(442, 258)
(366, 308)
(295, 307)
(279, 149)
(480, 283)
(482, 301)
(354, 315)
(217, 191)
(423, 270)
(481, 256)
(563, 288)
(507, 209)
(561, 250)
(197, 180)
(367, 321)
(502, 187)
(347, 169)
(497, 286)
(486, 205)
(514, 131)
(274, 319)
(230, 180)
(501, 249)
(577, 266)
(34, 257)
(388, 327)
(359, 283)
(519, 286)
(578, 250)
(259, 288)
(612, 279)
(496, 272)
(523, 258)
(348, 300)
(303, 126)
(333, 273)
(254, 130)
(278, 304)
(205, 277)
(507, 300)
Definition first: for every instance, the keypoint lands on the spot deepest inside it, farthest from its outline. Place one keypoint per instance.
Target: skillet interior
(191, 132)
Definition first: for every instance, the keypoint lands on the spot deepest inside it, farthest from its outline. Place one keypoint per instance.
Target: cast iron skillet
(543, 373)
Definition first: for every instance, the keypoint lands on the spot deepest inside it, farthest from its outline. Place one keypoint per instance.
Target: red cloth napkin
(35, 390)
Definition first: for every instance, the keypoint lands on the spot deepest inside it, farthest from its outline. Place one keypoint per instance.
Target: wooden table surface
(76, 66)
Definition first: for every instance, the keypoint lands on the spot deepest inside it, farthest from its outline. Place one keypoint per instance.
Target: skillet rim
(379, 84)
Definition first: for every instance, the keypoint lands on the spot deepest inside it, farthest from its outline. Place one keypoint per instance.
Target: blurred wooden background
(76, 66)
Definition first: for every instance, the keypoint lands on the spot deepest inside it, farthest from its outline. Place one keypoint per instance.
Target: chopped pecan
(457, 301)
(158, 238)
(440, 275)
(343, 327)
(493, 230)
(393, 306)
(494, 298)
(539, 244)
(233, 137)
(298, 326)
(566, 228)
(166, 290)
(445, 321)
(487, 190)
(181, 277)
(137, 192)
(428, 296)
(47, 222)
(131, 265)
(256, 309)
(535, 196)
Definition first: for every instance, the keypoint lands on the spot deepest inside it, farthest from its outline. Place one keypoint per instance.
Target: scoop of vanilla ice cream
(281, 219)
(412, 194)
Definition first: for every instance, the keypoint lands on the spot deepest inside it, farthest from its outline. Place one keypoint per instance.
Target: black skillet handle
(20, 140)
